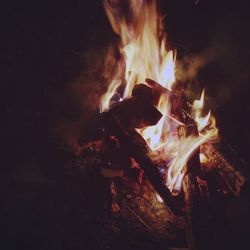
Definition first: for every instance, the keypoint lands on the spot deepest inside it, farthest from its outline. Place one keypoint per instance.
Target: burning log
(120, 123)
(134, 145)
(199, 229)
(138, 111)
(234, 179)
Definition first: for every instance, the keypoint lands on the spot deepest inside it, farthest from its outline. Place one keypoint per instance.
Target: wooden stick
(199, 228)
(135, 146)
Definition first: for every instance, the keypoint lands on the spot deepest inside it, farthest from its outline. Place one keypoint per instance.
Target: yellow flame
(203, 158)
(144, 54)
(207, 131)
(206, 124)
(142, 47)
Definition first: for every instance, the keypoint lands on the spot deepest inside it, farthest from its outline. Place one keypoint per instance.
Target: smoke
(188, 67)
(222, 67)
(79, 100)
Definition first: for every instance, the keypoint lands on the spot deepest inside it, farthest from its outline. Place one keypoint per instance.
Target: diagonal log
(134, 145)
(199, 226)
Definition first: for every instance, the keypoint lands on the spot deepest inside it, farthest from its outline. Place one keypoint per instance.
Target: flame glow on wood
(143, 54)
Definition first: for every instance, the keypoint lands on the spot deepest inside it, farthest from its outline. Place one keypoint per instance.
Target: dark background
(47, 45)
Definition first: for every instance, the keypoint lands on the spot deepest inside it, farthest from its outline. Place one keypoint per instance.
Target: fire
(142, 47)
(203, 158)
(187, 145)
(144, 54)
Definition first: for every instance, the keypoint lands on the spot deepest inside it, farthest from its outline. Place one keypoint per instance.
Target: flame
(203, 158)
(158, 197)
(144, 54)
(142, 48)
(187, 145)
(206, 124)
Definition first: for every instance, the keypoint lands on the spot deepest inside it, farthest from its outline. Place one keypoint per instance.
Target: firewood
(111, 173)
(199, 228)
(146, 93)
(234, 178)
(180, 106)
(135, 146)
(135, 112)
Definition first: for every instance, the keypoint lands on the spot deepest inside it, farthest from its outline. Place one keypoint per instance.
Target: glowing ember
(144, 55)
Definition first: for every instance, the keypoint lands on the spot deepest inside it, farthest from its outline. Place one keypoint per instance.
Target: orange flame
(144, 54)
(207, 131)
(142, 46)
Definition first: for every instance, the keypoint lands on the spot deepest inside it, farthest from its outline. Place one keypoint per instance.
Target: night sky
(47, 46)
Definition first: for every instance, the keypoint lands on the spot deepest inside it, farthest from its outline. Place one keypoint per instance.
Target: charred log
(199, 227)
(134, 145)
(233, 178)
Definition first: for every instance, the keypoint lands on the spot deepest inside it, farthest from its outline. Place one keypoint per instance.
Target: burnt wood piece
(133, 144)
(180, 106)
(199, 226)
(234, 179)
(136, 112)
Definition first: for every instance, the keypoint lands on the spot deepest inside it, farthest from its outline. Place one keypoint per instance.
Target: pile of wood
(117, 182)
